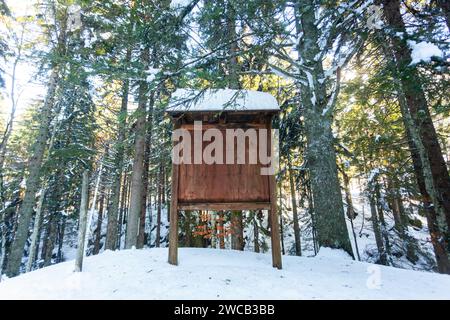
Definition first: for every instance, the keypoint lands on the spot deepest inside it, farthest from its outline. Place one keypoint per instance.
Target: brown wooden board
(222, 183)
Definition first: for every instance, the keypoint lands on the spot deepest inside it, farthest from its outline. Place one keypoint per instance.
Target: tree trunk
(376, 228)
(158, 212)
(400, 219)
(237, 233)
(394, 200)
(61, 231)
(321, 156)
(148, 143)
(123, 208)
(423, 134)
(298, 247)
(188, 229)
(54, 215)
(213, 238)
(98, 229)
(416, 149)
(112, 228)
(424, 182)
(280, 208)
(233, 67)
(138, 162)
(163, 187)
(83, 222)
(255, 233)
(35, 236)
(384, 232)
(50, 238)
(351, 214)
(36, 228)
(35, 161)
(221, 230)
(348, 196)
(141, 235)
(312, 214)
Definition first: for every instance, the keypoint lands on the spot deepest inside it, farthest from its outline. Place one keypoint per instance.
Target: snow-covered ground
(223, 274)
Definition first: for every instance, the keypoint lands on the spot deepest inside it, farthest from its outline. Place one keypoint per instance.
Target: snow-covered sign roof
(187, 100)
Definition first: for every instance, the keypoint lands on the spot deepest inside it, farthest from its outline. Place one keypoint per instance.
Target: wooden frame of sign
(224, 186)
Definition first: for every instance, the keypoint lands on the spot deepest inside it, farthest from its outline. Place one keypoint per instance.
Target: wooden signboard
(224, 186)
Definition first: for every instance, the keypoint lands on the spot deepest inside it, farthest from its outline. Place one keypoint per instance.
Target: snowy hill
(224, 274)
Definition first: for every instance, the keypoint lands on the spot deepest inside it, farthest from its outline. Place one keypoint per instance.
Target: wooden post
(275, 228)
(173, 232)
(274, 223)
(83, 222)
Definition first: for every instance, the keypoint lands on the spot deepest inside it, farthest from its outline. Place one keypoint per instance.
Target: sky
(27, 88)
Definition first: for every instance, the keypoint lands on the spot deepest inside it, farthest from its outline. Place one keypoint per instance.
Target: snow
(223, 274)
(221, 99)
(282, 74)
(151, 74)
(365, 236)
(424, 51)
(176, 4)
(333, 253)
(105, 35)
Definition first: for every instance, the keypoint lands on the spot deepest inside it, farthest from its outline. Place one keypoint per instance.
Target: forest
(364, 125)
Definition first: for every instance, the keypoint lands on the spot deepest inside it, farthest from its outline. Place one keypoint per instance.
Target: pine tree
(424, 142)
(35, 161)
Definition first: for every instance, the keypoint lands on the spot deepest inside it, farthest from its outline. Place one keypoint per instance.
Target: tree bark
(351, 214)
(145, 178)
(158, 212)
(255, 233)
(98, 229)
(383, 227)
(35, 236)
(376, 228)
(83, 222)
(394, 200)
(112, 228)
(36, 230)
(163, 187)
(54, 206)
(321, 156)
(61, 231)
(50, 238)
(439, 242)
(237, 234)
(35, 161)
(298, 247)
(187, 229)
(138, 162)
(436, 175)
(221, 230)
